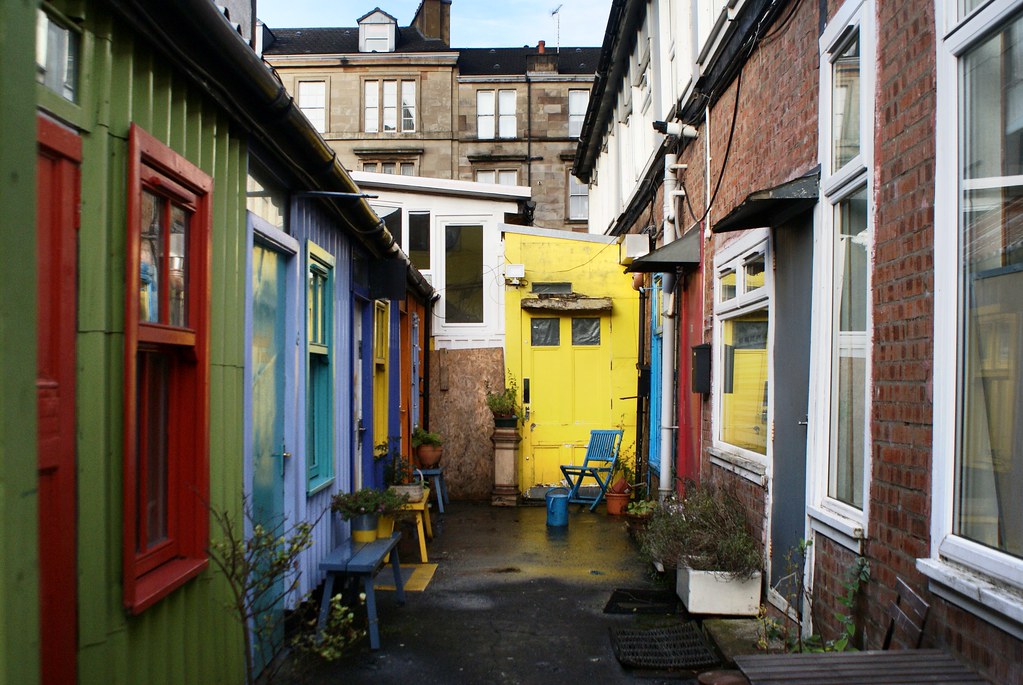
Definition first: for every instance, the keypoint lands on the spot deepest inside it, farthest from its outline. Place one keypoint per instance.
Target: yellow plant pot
(385, 527)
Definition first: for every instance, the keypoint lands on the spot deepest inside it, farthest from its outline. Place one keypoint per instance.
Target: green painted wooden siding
(19, 606)
(188, 637)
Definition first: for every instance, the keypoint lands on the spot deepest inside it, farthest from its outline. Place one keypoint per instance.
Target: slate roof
(345, 39)
(498, 61)
(471, 61)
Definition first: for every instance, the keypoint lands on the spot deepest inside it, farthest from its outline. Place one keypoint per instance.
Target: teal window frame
(319, 369)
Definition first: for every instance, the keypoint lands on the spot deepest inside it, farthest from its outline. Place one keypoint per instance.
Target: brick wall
(899, 525)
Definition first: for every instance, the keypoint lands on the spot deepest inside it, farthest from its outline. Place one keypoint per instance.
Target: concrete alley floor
(510, 602)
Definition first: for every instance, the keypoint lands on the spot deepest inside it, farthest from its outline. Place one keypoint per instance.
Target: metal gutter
(198, 38)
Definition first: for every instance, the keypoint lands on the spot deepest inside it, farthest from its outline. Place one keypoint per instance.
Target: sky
(474, 23)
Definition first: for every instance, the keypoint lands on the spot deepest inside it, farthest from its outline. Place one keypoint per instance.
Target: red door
(60, 152)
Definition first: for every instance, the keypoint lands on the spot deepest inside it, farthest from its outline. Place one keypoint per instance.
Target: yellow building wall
(573, 388)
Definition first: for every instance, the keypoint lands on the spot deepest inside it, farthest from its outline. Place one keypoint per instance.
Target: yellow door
(566, 370)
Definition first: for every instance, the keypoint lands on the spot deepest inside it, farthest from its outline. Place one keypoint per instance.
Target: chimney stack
(542, 62)
(433, 19)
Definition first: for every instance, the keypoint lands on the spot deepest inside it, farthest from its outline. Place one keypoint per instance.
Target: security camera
(674, 128)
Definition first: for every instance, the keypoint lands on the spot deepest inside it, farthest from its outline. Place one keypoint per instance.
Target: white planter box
(715, 592)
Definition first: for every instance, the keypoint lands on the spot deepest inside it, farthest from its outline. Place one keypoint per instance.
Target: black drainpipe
(529, 133)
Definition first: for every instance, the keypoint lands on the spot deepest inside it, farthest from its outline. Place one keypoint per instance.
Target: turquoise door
(654, 455)
(268, 321)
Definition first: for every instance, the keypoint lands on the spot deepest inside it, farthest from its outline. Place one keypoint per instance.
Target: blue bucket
(557, 507)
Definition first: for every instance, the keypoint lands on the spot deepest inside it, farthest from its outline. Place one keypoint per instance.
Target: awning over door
(679, 254)
(772, 206)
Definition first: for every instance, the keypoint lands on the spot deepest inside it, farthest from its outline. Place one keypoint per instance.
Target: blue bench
(355, 560)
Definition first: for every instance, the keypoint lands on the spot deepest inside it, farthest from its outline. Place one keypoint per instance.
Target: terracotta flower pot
(429, 455)
(616, 502)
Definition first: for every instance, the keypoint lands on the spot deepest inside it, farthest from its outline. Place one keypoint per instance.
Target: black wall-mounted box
(701, 369)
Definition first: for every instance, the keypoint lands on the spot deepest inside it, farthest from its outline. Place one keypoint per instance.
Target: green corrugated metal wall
(19, 613)
(188, 637)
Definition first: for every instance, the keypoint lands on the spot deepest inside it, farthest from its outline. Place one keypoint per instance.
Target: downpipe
(667, 420)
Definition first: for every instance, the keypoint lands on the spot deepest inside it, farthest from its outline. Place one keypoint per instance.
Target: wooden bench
(355, 560)
(424, 529)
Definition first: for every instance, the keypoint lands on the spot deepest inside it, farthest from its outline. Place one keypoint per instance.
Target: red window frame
(152, 571)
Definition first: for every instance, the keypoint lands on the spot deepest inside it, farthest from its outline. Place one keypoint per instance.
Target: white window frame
(581, 190)
(839, 521)
(981, 580)
(378, 104)
(319, 122)
(581, 98)
(746, 463)
(438, 256)
(498, 176)
(495, 120)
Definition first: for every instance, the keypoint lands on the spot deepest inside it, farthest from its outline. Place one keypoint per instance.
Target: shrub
(705, 531)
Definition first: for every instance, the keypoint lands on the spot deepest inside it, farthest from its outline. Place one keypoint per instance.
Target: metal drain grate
(670, 648)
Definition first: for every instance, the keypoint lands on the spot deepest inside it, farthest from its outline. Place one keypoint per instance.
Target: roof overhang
(683, 253)
(772, 206)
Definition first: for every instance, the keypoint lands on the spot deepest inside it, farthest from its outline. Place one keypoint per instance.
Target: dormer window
(376, 32)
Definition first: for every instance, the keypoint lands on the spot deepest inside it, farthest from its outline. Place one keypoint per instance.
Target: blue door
(654, 455)
(268, 401)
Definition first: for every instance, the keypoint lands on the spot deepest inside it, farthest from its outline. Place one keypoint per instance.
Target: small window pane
(545, 332)
(369, 166)
(578, 199)
(319, 303)
(419, 240)
(371, 100)
(388, 167)
(57, 57)
(150, 256)
(463, 264)
(153, 387)
(408, 169)
(744, 381)
(485, 114)
(408, 105)
(586, 331)
(849, 350)
(486, 176)
(845, 104)
(177, 267)
(753, 274)
(507, 177)
(390, 106)
(727, 286)
(312, 100)
(577, 101)
(506, 124)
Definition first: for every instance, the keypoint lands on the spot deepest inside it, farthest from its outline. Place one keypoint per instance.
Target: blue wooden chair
(601, 455)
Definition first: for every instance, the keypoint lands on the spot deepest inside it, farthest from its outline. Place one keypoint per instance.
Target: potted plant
(719, 561)
(399, 474)
(428, 446)
(364, 507)
(621, 482)
(504, 404)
